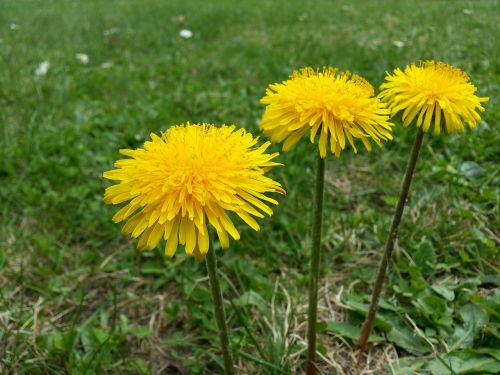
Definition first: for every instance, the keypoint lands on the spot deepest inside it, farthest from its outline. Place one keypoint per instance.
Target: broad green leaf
(490, 279)
(491, 304)
(352, 302)
(140, 331)
(463, 337)
(472, 314)
(435, 309)
(465, 362)
(408, 339)
(405, 366)
(347, 330)
(444, 291)
(493, 352)
(473, 318)
(472, 170)
(425, 257)
(101, 335)
(250, 298)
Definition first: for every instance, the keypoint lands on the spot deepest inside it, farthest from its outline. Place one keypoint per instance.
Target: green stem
(393, 234)
(314, 271)
(211, 262)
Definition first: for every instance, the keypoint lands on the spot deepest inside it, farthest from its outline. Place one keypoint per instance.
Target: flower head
(433, 90)
(190, 176)
(335, 105)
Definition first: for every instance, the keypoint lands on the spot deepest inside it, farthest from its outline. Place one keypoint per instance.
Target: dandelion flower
(433, 90)
(335, 105)
(187, 178)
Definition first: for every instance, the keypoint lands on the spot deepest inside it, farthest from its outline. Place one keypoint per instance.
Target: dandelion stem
(382, 270)
(211, 262)
(314, 272)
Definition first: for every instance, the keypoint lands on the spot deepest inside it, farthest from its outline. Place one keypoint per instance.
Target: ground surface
(77, 298)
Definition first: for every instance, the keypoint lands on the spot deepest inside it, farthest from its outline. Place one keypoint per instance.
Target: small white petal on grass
(42, 69)
(113, 30)
(467, 12)
(185, 33)
(398, 43)
(82, 58)
(106, 65)
(14, 26)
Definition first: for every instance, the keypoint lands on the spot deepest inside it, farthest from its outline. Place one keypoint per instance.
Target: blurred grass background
(75, 296)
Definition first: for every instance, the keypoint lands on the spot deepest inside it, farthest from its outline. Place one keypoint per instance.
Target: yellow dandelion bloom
(187, 178)
(335, 105)
(433, 90)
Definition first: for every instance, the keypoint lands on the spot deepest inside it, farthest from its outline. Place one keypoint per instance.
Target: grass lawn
(75, 296)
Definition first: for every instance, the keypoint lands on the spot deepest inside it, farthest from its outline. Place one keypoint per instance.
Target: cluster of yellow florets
(335, 106)
(193, 175)
(436, 92)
